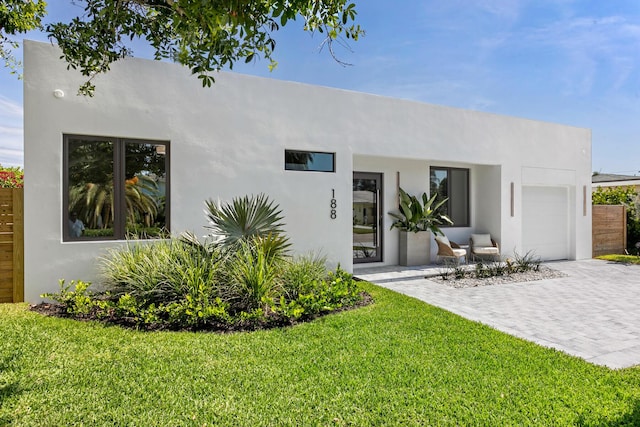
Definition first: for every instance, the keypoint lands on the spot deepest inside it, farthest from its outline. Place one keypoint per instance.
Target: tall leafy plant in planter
(416, 218)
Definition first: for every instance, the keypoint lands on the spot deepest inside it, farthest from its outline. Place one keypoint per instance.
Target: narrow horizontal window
(313, 161)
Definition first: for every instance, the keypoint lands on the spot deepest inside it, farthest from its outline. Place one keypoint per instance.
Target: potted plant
(417, 217)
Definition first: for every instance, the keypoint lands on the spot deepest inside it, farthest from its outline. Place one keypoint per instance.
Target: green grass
(625, 259)
(397, 362)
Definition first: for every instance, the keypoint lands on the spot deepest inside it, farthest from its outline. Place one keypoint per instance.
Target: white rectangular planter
(415, 248)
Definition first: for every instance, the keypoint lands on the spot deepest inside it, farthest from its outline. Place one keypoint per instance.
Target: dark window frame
(379, 178)
(119, 203)
(449, 193)
(333, 158)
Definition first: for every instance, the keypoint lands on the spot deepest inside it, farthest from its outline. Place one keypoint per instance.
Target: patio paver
(593, 313)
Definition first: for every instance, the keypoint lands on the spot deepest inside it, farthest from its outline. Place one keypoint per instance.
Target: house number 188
(333, 204)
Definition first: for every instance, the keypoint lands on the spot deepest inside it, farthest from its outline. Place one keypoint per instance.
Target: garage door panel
(545, 221)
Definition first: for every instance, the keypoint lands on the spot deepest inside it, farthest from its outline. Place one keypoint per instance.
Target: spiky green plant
(246, 218)
(253, 274)
(302, 273)
(168, 270)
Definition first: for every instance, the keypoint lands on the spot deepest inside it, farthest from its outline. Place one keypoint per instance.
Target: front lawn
(625, 259)
(396, 362)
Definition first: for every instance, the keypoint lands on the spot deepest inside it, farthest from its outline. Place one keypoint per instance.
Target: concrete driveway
(593, 313)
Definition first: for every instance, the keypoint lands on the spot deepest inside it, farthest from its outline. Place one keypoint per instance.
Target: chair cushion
(459, 252)
(444, 240)
(481, 240)
(486, 250)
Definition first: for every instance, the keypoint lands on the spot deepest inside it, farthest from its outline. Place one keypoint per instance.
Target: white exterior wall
(229, 141)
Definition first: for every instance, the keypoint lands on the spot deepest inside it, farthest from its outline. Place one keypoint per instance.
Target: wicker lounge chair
(482, 246)
(448, 250)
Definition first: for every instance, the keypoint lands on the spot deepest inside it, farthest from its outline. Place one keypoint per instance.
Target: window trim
(448, 203)
(119, 203)
(333, 158)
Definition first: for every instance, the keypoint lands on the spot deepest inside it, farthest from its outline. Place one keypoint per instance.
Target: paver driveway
(593, 313)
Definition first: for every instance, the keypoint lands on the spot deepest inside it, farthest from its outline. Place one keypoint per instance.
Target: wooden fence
(11, 245)
(609, 229)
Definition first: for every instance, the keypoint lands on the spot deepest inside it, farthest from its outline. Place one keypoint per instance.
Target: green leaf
(203, 36)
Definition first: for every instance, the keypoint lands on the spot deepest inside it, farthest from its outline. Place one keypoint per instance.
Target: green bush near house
(246, 280)
(11, 177)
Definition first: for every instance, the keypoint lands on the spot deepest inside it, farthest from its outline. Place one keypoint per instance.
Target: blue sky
(570, 62)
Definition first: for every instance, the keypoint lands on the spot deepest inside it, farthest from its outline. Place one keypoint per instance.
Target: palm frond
(244, 218)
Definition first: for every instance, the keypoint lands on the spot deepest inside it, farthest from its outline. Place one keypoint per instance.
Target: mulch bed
(271, 321)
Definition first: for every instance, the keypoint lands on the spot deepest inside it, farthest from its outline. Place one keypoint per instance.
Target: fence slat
(11, 245)
(609, 229)
(18, 245)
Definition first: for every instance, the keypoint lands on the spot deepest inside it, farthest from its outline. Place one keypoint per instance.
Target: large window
(452, 183)
(314, 161)
(115, 188)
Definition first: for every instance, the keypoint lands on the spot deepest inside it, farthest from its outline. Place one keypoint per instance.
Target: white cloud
(11, 157)
(593, 50)
(11, 132)
(11, 146)
(508, 10)
(10, 108)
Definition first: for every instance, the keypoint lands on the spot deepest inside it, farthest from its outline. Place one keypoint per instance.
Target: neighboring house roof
(610, 177)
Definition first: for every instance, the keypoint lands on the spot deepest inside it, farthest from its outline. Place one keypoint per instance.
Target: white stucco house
(332, 159)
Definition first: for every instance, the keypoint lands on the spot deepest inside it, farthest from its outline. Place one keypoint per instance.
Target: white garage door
(545, 221)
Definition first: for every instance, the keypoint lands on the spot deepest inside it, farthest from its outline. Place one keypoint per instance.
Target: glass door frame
(378, 177)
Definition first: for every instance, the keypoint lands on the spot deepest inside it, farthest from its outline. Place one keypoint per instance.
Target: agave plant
(415, 215)
(245, 219)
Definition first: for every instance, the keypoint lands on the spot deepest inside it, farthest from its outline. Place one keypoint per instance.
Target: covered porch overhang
(478, 201)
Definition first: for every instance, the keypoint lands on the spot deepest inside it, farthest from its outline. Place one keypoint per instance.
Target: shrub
(201, 310)
(527, 262)
(253, 270)
(633, 234)
(519, 264)
(301, 273)
(11, 177)
(164, 271)
(338, 289)
(75, 302)
(243, 281)
(452, 268)
(481, 271)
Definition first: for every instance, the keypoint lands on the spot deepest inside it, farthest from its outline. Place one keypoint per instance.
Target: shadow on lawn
(8, 385)
(630, 419)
